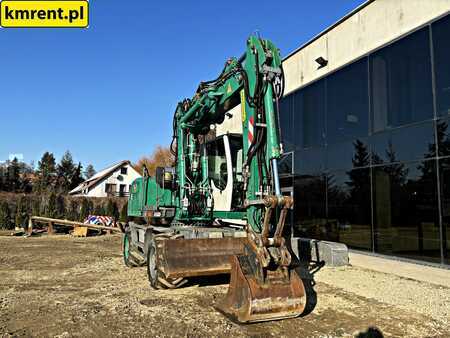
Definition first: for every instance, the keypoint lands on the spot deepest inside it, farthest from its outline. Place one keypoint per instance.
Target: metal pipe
(276, 178)
(242, 58)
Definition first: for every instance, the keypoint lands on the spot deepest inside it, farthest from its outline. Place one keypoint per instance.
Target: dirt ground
(78, 287)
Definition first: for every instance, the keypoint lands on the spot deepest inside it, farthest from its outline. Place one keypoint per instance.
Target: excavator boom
(264, 284)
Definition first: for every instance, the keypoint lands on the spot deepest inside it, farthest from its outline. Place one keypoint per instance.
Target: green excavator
(220, 208)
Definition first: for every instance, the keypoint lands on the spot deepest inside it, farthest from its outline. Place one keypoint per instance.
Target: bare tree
(161, 157)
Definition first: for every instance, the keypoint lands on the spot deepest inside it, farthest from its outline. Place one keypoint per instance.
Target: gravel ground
(78, 287)
(425, 298)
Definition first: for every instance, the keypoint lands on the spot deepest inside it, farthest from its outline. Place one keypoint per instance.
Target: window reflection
(286, 106)
(347, 181)
(443, 137)
(403, 144)
(349, 210)
(285, 164)
(309, 161)
(309, 207)
(309, 115)
(441, 33)
(348, 105)
(348, 155)
(405, 210)
(401, 87)
(445, 202)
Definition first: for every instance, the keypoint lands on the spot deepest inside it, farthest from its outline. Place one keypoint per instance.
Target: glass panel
(309, 161)
(348, 103)
(445, 201)
(443, 136)
(286, 182)
(401, 82)
(349, 208)
(309, 115)
(217, 163)
(287, 122)
(348, 155)
(403, 144)
(441, 33)
(309, 206)
(285, 164)
(405, 210)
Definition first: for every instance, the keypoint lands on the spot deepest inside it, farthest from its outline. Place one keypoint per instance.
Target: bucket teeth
(279, 294)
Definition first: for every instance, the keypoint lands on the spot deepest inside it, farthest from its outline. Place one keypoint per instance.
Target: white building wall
(99, 189)
(375, 25)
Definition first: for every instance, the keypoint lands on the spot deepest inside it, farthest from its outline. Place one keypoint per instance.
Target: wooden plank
(73, 224)
(50, 230)
(80, 231)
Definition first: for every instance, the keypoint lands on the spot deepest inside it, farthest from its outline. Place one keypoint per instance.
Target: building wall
(367, 134)
(370, 142)
(115, 178)
(378, 23)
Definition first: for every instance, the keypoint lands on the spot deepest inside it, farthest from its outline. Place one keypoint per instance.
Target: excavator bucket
(253, 297)
(198, 257)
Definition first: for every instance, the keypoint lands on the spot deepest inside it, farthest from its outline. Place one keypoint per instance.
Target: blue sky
(108, 92)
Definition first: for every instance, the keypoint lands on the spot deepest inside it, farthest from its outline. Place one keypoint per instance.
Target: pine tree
(77, 177)
(428, 167)
(60, 206)
(85, 210)
(89, 172)
(51, 206)
(46, 173)
(397, 171)
(124, 213)
(361, 157)
(2, 179)
(109, 208)
(14, 175)
(65, 171)
(36, 207)
(113, 210)
(25, 184)
(359, 182)
(5, 216)
(73, 210)
(21, 218)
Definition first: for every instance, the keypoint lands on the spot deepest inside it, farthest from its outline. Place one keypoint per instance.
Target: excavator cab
(225, 173)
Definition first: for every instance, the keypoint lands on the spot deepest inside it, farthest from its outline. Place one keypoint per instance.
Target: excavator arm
(264, 285)
(177, 236)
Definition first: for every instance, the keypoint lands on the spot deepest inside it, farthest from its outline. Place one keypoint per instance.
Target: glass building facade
(368, 150)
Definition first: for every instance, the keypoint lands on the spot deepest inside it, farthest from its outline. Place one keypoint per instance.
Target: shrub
(5, 216)
(51, 210)
(84, 210)
(112, 209)
(73, 210)
(21, 218)
(124, 213)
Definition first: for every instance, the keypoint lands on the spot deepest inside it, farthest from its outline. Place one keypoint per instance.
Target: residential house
(114, 181)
